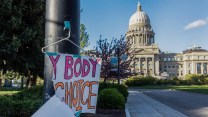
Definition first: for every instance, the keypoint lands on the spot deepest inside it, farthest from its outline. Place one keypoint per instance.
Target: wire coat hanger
(66, 26)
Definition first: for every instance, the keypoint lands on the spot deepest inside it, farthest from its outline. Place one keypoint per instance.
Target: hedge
(120, 87)
(110, 98)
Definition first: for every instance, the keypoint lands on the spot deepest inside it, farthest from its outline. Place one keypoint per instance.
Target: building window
(189, 71)
(165, 66)
(189, 64)
(204, 68)
(198, 68)
(173, 66)
(201, 57)
(189, 58)
(173, 59)
(168, 59)
(165, 59)
(168, 66)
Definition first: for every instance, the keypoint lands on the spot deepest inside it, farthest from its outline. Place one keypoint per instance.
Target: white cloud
(196, 24)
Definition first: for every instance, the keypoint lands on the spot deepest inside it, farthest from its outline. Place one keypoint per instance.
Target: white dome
(139, 17)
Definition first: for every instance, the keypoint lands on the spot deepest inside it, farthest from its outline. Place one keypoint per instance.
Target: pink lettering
(94, 63)
(54, 62)
(67, 67)
(84, 71)
(78, 61)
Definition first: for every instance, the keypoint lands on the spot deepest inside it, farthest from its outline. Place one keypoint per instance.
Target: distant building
(149, 60)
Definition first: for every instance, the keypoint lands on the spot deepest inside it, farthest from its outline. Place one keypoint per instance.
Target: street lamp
(118, 57)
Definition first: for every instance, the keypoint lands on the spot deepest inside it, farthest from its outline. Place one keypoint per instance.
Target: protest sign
(76, 80)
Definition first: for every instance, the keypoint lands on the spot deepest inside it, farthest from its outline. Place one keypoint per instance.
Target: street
(190, 104)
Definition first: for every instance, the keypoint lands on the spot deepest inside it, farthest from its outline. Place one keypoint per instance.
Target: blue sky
(178, 24)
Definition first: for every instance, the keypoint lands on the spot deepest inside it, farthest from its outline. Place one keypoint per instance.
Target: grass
(190, 88)
(8, 91)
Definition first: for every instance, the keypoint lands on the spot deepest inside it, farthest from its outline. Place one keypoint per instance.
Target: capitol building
(149, 60)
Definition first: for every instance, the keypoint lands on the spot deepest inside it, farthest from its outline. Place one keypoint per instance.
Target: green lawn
(191, 88)
(8, 91)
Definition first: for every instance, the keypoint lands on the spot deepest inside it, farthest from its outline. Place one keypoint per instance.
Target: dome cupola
(140, 32)
(139, 17)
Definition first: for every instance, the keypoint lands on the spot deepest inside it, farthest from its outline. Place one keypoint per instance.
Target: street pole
(118, 57)
(58, 11)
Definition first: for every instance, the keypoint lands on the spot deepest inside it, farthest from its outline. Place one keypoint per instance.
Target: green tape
(76, 56)
(78, 114)
(51, 53)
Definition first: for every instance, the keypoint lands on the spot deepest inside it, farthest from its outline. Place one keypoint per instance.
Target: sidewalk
(140, 105)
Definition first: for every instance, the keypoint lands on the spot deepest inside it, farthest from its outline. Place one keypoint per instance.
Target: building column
(207, 68)
(153, 66)
(146, 39)
(184, 68)
(192, 68)
(195, 68)
(142, 39)
(202, 68)
(146, 60)
(139, 64)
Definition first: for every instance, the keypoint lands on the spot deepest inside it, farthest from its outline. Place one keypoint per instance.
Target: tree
(84, 37)
(106, 50)
(22, 36)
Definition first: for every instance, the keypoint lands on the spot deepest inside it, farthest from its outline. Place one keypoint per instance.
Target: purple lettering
(67, 67)
(78, 61)
(94, 63)
(54, 62)
(84, 71)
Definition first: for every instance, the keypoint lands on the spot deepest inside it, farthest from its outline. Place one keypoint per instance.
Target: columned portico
(144, 65)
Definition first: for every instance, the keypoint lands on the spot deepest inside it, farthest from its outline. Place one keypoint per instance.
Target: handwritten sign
(76, 80)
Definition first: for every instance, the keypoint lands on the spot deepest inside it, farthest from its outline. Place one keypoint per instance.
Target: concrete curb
(127, 111)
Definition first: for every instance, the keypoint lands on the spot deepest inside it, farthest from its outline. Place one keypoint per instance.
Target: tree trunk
(22, 82)
(33, 80)
(105, 78)
(28, 81)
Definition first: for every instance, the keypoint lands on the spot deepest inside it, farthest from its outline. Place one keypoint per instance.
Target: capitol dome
(139, 17)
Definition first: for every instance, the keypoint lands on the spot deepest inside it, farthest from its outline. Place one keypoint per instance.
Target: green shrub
(120, 87)
(140, 81)
(110, 98)
(196, 79)
(191, 79)
(24, 103)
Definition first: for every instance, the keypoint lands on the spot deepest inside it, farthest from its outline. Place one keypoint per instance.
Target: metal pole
(118, 56)
(58, 11)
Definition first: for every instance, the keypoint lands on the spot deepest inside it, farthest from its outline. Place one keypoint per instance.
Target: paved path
(140, 105)
(190, 104)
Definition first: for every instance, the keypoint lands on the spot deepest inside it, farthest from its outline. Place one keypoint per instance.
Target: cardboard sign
(76, 80)
(56, 107)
